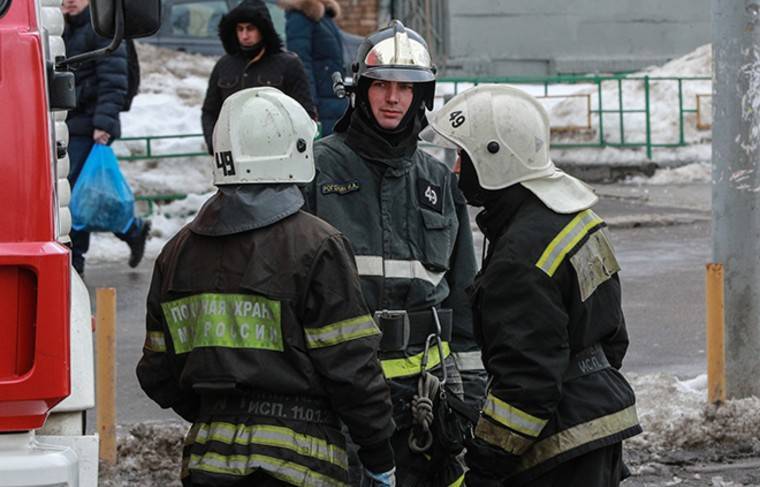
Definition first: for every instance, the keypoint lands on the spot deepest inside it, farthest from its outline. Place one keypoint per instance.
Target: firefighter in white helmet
(257, 331)
(546, 304)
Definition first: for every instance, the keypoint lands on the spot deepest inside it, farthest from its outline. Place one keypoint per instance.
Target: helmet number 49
(456, 118)
(225, 163)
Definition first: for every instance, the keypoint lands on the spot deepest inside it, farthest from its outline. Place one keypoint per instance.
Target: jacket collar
(239, 208)
(500, 210)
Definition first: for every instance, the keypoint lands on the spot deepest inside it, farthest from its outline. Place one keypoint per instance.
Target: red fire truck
(46, 355)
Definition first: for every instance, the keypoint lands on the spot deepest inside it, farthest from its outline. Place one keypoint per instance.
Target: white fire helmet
(263, 136)
(505, 131)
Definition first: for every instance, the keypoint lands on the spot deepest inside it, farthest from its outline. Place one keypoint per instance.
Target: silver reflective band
(468, 361)
(371, 265)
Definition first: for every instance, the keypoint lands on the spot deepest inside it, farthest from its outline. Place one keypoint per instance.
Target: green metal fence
(600, 114)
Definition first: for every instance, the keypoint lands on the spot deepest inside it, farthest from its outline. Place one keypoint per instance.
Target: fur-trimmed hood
(255, 12)
(313, 9)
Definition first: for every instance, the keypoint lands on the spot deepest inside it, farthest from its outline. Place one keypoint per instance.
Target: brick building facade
(358, 16)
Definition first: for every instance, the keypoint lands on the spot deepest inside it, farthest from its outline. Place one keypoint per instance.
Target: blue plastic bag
(102, 200)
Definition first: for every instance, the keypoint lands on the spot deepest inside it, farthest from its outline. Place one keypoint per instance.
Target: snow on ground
(697, 172)
(174, 83)
(672, 412)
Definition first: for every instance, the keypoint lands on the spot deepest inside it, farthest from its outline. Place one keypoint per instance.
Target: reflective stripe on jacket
(548, 290)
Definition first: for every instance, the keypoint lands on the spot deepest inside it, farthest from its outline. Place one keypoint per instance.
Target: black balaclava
(370, 140)
(470, 185)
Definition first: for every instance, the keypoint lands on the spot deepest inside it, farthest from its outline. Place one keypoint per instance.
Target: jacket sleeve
(112, 79)
(212, 105)
(299, 31)
(463, 269)
(342, 340)
(297, 86)
(157, 370)
(524, 326)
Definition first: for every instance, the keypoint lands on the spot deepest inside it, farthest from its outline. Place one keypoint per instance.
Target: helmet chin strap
(473, 192)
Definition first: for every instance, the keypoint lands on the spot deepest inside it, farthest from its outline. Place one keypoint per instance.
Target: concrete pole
(736, 184)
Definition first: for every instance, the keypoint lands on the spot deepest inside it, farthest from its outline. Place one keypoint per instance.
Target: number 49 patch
(429, 195)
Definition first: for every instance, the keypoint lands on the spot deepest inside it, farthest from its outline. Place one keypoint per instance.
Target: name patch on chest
(429, 195)
(340, 188)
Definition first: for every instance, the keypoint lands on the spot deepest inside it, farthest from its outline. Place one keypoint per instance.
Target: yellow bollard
(716, 355)
(105, 339)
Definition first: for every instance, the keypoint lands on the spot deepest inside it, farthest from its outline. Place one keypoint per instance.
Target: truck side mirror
(140, 18)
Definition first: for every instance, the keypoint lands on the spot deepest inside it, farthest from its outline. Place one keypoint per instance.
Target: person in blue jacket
(101, 90)
(312, 35)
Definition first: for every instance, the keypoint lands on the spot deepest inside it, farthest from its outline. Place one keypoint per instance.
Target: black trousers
(599, 468)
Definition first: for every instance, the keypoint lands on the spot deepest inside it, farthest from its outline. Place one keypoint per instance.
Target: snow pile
(675, 416)
(148, 454)
(698, 172)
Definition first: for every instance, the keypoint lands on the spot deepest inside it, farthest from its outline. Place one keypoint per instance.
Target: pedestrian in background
(255, 57)
(257, 331)
(312, 34)
(101, 93)
(546, 304)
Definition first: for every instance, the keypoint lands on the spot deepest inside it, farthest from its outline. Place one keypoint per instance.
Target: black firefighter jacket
(547, 294)
(276, 310)
(407, 223)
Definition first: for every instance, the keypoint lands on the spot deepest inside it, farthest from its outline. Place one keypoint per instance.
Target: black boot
(137, 245)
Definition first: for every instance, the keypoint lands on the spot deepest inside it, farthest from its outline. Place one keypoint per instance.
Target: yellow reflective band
(511, 417)
(342, 331)
(458, 482)
(580, 435)
(243, 465)
(155, 341)
(565, 240)
(276, 436)
(501, 437)
(403, 367)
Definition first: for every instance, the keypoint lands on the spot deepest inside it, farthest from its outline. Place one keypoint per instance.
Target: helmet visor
(404, 74)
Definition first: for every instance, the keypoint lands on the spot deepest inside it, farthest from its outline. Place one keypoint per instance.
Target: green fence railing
(600, 114)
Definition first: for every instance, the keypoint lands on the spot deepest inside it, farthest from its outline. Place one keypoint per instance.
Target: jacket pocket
(228, 82)
(269, 79)
(437, 230)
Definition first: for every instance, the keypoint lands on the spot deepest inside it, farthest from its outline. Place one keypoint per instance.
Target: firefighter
(546, 303)
(408, 224)
(257, 331)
